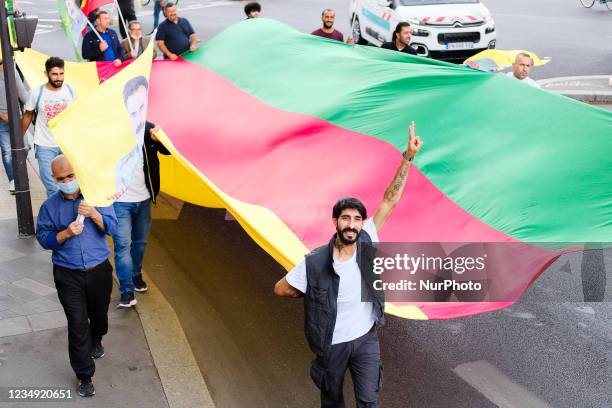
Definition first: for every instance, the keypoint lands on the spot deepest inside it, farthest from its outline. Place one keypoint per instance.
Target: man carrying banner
(339, 326)
(175, 35)
(48, 100)
(75, 232)
(139, 172)
(401, 39)
(138, 42)
(521, 67)
(102, 45)
(328, 17)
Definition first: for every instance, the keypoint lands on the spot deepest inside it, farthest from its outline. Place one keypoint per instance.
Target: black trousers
(128, 12)
(362, 357)
(85, 296)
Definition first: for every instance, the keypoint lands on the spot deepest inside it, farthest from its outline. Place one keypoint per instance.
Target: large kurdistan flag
(277, 130)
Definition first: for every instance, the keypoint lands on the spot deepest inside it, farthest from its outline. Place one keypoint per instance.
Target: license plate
(459, 46)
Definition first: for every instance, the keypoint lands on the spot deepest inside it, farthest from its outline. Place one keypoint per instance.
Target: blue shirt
(175, 36)
(109, 53)
(83, 251)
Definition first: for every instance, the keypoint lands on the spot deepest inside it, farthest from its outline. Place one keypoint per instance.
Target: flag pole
(127, 33)
(94, 29)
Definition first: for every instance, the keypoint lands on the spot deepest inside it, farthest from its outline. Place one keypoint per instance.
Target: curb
(590, 89)
(177, 368)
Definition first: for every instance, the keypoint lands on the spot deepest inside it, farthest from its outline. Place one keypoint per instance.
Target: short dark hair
(132, 86)
(53, 62)
(250, 7)
(168, 5)
(398, 28)
(349, 203)
(99, 12)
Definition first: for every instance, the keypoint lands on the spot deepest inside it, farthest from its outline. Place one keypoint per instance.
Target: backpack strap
(40, 92)
(70, 90)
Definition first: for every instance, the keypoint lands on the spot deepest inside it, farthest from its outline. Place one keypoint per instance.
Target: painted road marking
(497, 387)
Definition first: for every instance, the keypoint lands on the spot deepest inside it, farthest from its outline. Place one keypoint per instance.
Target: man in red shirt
(328, 17)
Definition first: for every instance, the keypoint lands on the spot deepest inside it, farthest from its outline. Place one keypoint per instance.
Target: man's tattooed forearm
(396, 187)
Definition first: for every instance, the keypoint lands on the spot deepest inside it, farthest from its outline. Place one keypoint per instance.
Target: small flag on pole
(73, 22)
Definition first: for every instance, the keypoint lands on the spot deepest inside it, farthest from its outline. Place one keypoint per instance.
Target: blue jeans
(5, 146)
(156, 11)
(134, 224)
(45, 155)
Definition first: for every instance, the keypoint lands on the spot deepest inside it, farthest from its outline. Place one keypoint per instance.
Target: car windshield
(432, 2)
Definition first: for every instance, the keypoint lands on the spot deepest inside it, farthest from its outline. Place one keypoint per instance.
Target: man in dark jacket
(107, 49)
(401, 39)
(340, 327)
(133, 211)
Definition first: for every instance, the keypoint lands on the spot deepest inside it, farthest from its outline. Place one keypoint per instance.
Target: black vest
(321, 297)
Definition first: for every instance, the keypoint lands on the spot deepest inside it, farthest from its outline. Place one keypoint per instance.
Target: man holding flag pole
(127, 10)
(102, 43)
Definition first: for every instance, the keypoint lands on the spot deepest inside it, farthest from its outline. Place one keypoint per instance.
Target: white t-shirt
(51, 104)
(526, 80)
(137, 189)
(355, 318)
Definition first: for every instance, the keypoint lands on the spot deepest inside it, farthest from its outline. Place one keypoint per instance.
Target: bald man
(521, 67)
(81, 270)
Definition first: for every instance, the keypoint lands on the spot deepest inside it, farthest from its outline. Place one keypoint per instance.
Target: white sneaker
(12, 186)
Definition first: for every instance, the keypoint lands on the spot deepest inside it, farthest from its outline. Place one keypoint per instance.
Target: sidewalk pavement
(595, 89)
(148, 361)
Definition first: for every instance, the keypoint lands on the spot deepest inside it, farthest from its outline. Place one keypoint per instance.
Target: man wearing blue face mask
(81, 270)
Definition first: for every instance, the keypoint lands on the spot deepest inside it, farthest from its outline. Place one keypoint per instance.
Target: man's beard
(345, 240)
(56, 84)
(328, 25)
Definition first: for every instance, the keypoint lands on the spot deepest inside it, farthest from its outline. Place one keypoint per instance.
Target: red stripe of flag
(89, 5)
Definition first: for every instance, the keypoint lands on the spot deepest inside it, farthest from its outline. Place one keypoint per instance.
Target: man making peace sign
(339, 326)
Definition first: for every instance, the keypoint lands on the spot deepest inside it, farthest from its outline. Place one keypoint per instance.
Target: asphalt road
(549, 350)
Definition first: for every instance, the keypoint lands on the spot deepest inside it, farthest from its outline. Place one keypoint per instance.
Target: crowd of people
(76, 232)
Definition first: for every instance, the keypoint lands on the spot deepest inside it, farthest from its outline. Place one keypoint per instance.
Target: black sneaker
(127, 301)
(86, 389)
(139, 284)
(97, 351)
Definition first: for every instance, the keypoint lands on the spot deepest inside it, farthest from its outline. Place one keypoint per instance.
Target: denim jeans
(156, 11)
(130, 240)
(45, 155)
(5, 147)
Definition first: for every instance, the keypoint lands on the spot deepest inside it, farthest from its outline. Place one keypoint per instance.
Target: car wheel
(356, 28)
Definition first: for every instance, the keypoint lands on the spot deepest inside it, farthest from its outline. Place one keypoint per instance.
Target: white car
(441, 29)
